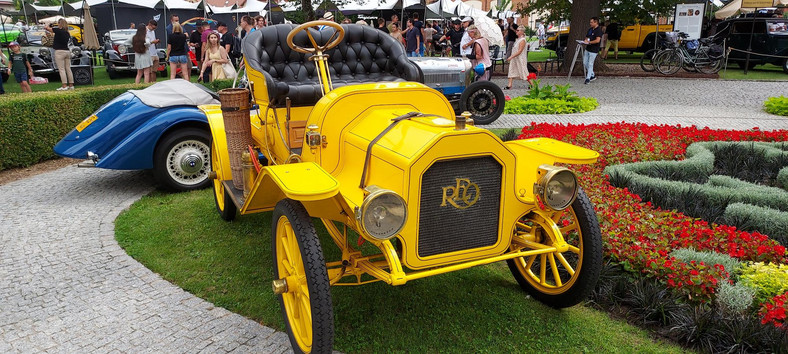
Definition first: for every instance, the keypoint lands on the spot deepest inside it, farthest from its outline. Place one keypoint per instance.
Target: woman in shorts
(176, 51)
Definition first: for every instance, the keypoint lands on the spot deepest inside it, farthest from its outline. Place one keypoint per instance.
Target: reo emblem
(461, 196)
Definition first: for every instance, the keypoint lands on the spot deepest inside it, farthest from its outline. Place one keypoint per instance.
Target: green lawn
(479, 309)
(760, 72)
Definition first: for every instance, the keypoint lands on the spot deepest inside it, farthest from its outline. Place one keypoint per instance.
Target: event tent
(734, 7)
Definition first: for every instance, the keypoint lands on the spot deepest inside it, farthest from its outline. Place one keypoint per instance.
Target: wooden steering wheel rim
(305, 27)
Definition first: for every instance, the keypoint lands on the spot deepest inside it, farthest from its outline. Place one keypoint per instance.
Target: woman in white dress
(142, 61)
(518, 61)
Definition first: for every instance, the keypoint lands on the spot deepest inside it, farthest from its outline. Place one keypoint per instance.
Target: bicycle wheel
(707, 65)
(647, 60)
(668, 62)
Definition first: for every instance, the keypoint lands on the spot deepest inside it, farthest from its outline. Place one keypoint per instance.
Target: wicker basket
(235, 111)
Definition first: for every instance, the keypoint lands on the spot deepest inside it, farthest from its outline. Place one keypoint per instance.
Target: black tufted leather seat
(364, 55)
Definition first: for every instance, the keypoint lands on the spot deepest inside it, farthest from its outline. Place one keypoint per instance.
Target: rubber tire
(647, 60)
(81, 75)
(316, 275)
(785, 66)
(500, 101)
(230, 209)
(590, 268)
(162, 150)
(670, 55)
(111, 72)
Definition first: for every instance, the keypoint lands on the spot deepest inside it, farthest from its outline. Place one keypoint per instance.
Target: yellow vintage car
(344, 133)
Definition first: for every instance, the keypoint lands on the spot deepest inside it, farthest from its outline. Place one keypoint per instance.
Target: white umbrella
(489, 29)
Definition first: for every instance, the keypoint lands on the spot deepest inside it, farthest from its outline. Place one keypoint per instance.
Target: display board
(757, 3)
(689, 19)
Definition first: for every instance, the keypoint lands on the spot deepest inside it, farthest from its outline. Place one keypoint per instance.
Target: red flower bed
(640, 236)
(774, 311)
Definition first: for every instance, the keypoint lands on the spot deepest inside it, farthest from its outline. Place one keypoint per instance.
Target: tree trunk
(582, 11)
(309, 12)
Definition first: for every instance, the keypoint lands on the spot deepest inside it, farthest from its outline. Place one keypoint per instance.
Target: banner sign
(757, 3)
(689, 19)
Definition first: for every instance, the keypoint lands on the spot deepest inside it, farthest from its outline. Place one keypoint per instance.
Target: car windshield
(10, 28)
(122, 35)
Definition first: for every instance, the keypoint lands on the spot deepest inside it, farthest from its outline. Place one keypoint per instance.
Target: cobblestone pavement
(66, 285)
(718, 104)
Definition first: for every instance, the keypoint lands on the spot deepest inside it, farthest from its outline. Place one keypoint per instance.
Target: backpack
(235, 48)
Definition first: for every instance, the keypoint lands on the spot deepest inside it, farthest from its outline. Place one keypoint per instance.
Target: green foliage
(217, 85)
(777, 105)
(549, 99)
(690, 187)
(31, 124)
(687, 255)
(768, 280)
(734, 298)
(625, 12)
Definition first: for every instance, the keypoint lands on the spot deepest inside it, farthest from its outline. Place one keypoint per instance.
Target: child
(18, 63)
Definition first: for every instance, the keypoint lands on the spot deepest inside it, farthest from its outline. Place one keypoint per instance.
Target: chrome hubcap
(191, 163)
(188, 162)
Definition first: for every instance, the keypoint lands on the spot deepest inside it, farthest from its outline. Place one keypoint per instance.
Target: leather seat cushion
(365, 55)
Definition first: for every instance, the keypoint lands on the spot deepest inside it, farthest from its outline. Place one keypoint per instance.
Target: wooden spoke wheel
(224, 205)
(561, 279)
(306, 299)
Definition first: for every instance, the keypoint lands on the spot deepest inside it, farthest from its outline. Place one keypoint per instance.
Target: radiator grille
(443, 78)
(470, 220)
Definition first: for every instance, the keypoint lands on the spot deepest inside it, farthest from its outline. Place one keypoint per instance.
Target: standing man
(419, 27)
(173, 19)
(466, 46)
(154, 55)
(225, 40)
(394, 21)
(510, 35)
(454, 35)
(593, 38)
(247, 25)
(541, 33)
(613, 36)
(412, 40)
(195, 43)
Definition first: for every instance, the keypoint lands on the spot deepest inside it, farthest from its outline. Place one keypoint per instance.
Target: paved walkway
(66, 285)
(713, 103)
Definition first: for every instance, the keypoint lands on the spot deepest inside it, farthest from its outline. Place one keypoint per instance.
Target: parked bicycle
(647, 60)
(702, 55)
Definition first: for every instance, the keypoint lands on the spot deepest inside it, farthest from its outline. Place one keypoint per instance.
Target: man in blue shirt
(593, 38)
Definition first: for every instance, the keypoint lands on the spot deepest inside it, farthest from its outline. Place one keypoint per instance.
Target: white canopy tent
(72, 20)
(735, 7)
(182, 4)
(151, 4)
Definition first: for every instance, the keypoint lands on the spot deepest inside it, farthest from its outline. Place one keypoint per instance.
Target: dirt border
(15, 174)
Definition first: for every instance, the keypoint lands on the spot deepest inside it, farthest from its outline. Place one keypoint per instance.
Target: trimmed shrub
(31, 124)
(687, 255)
(734, 299)
(776, 105)
(549, 99)
(749, 217)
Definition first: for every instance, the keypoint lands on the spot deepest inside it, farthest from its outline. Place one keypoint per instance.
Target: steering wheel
(339, 33)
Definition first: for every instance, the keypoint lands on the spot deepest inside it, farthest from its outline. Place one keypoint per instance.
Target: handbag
(48, 39)
(229, 71)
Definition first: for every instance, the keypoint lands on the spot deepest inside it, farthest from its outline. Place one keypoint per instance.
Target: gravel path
(716, 104)
(66, 285)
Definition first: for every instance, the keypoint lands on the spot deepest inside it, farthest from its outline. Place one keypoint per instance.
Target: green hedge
(777, 105)
(31, 124)
(695, 187)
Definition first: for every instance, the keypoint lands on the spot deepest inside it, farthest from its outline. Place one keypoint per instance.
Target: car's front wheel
(182, 159)
(305, 297)
(785, 66)
(111, 71)
(484, 100)
(562, 278)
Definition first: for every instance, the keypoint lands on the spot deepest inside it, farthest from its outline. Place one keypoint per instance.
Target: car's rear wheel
(111, 72)
(785, 66)
(561, 279)
(221, 196)
(298, 260)
(484, 100)
(182, 159)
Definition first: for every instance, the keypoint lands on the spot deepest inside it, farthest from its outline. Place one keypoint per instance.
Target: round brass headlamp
(556, 187)
(382, 214)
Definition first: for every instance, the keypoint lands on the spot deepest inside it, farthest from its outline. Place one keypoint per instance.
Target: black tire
(81, 75)
(221, 196)
(315, 274)
(668, 62)
(485, 100)
(589, 260)
(181, 160)
(647, 60)
(785, 66)
(111, 72)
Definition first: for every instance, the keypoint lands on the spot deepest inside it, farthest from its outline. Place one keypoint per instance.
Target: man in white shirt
(465, 43)
(151, 36)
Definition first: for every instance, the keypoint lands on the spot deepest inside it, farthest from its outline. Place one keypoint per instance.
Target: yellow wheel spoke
(287, 267)
(527, 228)
(556, 276)
(565, 263)
(574, 249)
(557, 216)
(543, 269)
(566, 229)
(530, 262)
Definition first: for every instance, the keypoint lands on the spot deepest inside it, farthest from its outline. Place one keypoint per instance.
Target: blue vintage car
(157, 128)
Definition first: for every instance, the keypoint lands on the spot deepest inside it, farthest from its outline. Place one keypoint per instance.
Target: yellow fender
(306, 182)
(219, 148)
